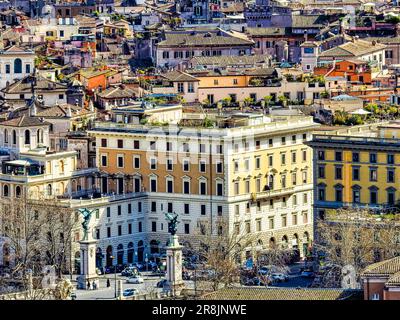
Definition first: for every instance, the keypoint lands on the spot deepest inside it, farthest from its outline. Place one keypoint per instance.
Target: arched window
(154, 246)
(14, 137)
(61, 166)
(5, 191)
(39, 137)
(120, 254)
(27, 137)
(285, 242)
(109, 256)
(49, 190)
(5, 136)
(18, 191)
(131, 252)
(18, 65)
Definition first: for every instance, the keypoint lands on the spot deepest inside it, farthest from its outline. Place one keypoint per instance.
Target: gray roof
(272, 31)
(24, 121)
(309, 21)
(223, 61)
(185, 39)
(353, 49)
(117, 92)
(42, 84)
(178, 76)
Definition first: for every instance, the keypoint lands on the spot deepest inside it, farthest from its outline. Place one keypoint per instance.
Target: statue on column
(87, 214)
(88, 274)
(174, 283)
(172, 222)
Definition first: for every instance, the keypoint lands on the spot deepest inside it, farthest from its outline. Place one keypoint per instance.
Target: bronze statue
(86, 218)
(172, 222)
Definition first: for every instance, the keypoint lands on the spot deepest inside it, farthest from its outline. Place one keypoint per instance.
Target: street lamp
(115, 277)
(147, 262)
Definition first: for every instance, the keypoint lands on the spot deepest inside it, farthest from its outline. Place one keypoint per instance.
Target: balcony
(272, 193)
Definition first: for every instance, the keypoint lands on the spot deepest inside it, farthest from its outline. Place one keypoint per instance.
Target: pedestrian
(88, 285)
(94, 285)
(108, 283)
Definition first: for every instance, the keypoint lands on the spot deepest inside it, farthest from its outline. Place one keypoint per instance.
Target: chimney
(69, 112)
(91, 106)
(32, 109)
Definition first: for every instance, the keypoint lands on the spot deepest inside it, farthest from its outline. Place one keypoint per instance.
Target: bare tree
(220, 251)
(36, 233)
(357, 238)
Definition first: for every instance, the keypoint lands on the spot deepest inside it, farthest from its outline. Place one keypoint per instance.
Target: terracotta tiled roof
(117, 92)
(383, 268)
(24, 121)
(61, 111)
(17, 49)
(356, 48)
(178, 76)
(257, 293)
(394, 281)
(42, 84)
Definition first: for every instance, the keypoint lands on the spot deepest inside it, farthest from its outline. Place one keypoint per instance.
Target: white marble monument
(174, 284)
(88, 274)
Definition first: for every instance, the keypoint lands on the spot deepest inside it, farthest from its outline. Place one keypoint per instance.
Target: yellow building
(357, 167)
(253, 170)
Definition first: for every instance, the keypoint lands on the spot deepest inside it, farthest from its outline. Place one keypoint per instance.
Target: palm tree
(227, 101)
(283, 100)
(248, 101)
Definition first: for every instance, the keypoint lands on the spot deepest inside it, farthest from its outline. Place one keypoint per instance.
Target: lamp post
(147, 262)
(115, 278)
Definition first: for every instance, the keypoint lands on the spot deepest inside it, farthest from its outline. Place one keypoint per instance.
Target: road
(149, 285)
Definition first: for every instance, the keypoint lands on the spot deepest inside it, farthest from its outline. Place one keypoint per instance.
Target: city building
(381, 280)
(177, 48)
(356, 167)
(16, 63)
(252, 170)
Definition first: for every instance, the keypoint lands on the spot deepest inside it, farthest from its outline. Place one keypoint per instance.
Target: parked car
(135, 279)
(129, 271)
(108, 270)
(100, 271)
(120, 267)
(263, 271)
(279, 277)
(130, 292)
(139, 266)
(161, 283)
(307, 274)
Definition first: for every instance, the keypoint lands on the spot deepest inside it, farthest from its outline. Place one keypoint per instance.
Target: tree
(268, 100)
(283, 100)
(340, 117)
(37, 233)
(220, 251)
(356, 238)
(227, 101)
(206, 102)
(324, 94)
(248, 101)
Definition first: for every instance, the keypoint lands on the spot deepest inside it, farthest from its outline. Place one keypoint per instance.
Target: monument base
(83, 281)
(174, 283)
(174, 289)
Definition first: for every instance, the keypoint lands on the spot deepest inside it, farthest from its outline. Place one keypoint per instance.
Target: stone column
(174, 267)
(88, 264)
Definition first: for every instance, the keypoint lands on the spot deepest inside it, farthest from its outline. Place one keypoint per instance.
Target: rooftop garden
(378, 113)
